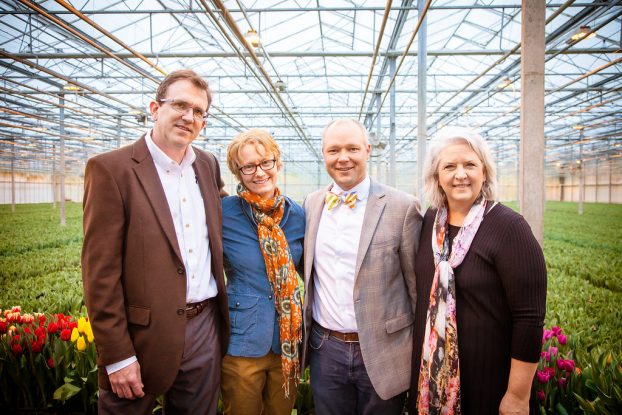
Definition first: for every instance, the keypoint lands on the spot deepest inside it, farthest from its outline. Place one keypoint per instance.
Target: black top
(500, 306)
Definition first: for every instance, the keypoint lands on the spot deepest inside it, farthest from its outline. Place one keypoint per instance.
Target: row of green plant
(40, 269)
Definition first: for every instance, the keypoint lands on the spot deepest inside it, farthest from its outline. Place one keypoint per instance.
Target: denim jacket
(254, 320)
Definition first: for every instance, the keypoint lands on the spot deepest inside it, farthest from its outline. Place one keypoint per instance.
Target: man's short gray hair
(448, 136)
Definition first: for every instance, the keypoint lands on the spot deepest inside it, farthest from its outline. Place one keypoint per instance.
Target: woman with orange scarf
(263, 232)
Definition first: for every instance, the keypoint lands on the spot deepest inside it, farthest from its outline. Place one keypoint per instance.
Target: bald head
(353, 126)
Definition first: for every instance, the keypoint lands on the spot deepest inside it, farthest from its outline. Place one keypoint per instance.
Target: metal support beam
(531, 183)
(391, 181)
(422, 76)
(63, 216)
(13, 176)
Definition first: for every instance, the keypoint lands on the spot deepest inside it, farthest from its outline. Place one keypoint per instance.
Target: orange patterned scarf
(282, 276)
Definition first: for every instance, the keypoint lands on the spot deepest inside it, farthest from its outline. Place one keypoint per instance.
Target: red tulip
(40, 332)
(17, 349)
(3, 327)
(50, 363)
(541, 396)
(42, 319)
(27, 330)
(52, 328)
(65, 335)
(36, 347)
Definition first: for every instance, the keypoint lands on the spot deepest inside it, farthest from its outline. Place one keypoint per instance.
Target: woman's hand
(516, 398)
(513, 405)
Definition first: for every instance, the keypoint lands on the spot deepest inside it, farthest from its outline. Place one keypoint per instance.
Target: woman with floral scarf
(263, 233)
(481, 290)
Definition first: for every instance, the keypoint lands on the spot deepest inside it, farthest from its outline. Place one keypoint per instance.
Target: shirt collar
(165, 162)
(361, 189)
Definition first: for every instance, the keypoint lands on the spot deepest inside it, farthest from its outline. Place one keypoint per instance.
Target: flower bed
(46, 360)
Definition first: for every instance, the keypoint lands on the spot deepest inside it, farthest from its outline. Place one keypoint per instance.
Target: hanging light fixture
(584, 32)
(71, 87)
(280, 85)
(252, 37)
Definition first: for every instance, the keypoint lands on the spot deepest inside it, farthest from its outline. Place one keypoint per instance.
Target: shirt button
(269, 297)
(183, 199)
(181, 311)
(237, 304)
(187, 225)
(180, 270)
(190, 250)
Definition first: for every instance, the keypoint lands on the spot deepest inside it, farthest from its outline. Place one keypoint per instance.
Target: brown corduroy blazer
(133, 274)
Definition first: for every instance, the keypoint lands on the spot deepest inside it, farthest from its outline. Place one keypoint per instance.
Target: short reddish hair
(184, 75)
(256, 137)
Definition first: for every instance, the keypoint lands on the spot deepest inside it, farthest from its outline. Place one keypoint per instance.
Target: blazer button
(180, 270)
(181, 311)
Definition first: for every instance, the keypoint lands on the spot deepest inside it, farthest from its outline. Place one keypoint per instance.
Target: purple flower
(543, 376)
(561, 382)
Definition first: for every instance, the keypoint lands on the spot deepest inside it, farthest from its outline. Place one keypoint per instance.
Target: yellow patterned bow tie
(333, 200)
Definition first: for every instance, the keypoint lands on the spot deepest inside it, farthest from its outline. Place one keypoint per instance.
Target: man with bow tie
(360, 244)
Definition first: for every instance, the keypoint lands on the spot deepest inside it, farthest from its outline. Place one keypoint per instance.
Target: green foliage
(39, 259)
(40, 270)
(602, 385)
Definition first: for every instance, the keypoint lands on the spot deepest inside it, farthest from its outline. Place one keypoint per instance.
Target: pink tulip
(546, 334)
(543, 376)
(552, 350)
(546, 355)
(541, 396)
(561, 382)
(561, 338)
(556, 330)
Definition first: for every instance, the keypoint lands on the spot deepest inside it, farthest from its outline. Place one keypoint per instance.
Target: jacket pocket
(242, 313)
(138, 315)
(400, 322)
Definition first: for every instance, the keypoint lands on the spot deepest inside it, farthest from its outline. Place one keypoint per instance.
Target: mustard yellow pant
(254, 386)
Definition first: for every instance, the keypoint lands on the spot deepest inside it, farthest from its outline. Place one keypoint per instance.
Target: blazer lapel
(373, 212)
(314, 207)
(148, 176)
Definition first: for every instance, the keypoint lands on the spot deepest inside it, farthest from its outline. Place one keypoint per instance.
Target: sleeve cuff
(115, 367)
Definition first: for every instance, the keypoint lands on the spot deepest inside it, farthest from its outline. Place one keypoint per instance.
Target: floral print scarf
(282, 276)
(439, 377)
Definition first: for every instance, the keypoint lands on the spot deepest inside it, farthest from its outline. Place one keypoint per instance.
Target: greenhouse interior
(77, 77)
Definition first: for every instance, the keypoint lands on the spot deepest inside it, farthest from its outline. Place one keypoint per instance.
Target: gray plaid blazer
(384, 288)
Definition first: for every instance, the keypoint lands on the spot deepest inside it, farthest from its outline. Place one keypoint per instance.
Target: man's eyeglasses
(182, 107)
(252, 168)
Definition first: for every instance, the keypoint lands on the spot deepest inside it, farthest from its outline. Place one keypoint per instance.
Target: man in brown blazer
(152, 261)
(360, 243)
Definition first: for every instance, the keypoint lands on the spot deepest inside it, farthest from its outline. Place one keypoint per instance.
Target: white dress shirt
(185, 202)
(334, 262)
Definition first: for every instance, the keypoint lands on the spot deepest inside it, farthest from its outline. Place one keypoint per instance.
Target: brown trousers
(195, 390)
(254, 386)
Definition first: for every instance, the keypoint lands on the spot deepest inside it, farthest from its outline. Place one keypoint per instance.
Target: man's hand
(126, 383)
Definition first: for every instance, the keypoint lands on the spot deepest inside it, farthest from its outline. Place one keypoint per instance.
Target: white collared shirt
(185, 203)
(334, 262)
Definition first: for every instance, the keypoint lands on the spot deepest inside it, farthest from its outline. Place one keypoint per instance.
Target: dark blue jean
(340, 382)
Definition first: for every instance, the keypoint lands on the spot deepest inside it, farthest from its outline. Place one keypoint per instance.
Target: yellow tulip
(89, 334)
(81, 324)
(74, 334)
(81, 344)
